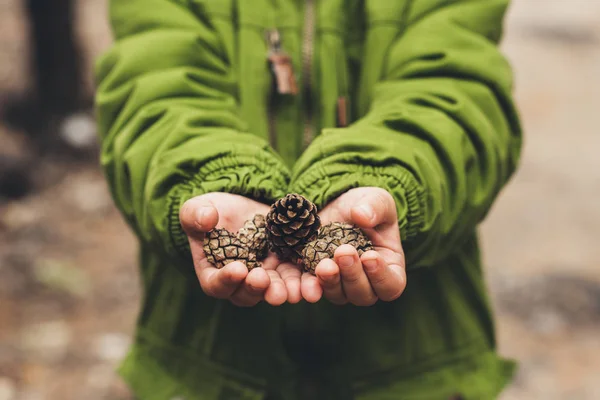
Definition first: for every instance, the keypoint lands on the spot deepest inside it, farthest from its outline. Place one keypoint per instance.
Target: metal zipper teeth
(307, 55)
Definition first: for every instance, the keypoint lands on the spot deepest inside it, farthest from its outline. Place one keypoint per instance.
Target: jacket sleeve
(169, 123)
(441, 134)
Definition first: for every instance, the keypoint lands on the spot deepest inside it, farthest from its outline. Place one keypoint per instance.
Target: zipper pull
(342, 112)
(281, 64)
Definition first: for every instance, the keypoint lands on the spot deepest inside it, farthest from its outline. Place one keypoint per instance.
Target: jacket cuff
(255, 176)
(324, 182)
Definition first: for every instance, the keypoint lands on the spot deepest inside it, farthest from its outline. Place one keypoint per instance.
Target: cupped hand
(377, 274)
(276, 282)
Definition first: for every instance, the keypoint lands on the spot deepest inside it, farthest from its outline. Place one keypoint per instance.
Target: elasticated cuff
(323, 183)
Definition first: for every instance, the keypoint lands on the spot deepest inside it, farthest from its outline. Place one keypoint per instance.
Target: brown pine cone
(332, 236)
(347, 234)
(254, 236)
(291, 223)
(223, 247)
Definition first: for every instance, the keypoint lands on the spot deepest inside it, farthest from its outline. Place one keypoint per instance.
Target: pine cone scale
(288, 230)
(218, 253)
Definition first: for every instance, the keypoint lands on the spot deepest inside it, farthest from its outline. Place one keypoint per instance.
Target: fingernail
(329, 278)
(367, 211)
(346, 261)
(201, 214)
(370, 265)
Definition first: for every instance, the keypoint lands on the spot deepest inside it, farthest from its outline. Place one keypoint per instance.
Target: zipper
(307, 56)
(284, 79)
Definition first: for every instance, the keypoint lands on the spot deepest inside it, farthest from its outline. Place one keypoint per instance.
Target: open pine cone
(332, 236)
(291, 223)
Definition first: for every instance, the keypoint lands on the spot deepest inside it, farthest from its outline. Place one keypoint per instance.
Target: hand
(377, 274)
(275, 283)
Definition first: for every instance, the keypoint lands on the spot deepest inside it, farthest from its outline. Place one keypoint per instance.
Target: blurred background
(68, 280)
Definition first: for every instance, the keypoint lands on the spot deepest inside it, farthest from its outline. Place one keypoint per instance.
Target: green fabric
(182, 104)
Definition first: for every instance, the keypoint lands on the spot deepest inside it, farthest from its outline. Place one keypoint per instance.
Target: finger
(197, 216)
(291, 276)
(252, 290)
(388, 280)
(271, 262)
(221, 283)
(374, 208)
(310, 288)
(391, 257)
(330, 280)
(355, 283)
(276, 293)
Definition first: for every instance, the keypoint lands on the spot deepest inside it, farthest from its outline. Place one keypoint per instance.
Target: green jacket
(186, 106)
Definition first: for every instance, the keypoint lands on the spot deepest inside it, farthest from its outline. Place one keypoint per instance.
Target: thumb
(198, 216)
(375, 207)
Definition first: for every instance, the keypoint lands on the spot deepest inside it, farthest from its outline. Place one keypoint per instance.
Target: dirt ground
(68, 283)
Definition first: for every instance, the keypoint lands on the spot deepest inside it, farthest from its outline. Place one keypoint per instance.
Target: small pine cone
(347, 234)
(223, 247)
(332, 236)
(254, 236)
(291, 223)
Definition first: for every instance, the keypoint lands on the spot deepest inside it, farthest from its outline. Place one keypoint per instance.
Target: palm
(386, 279)
(385, 237)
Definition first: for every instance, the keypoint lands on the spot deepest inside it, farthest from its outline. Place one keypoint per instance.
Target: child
(393, 115)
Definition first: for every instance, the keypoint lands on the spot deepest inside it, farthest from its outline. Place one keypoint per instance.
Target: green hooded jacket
(186, 106)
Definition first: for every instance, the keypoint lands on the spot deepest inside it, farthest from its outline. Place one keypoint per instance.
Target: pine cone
(223, 247)
(291, 223)
(254, 236)
(332, 236)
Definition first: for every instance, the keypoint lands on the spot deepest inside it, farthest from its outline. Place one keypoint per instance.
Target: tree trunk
(55, 57)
